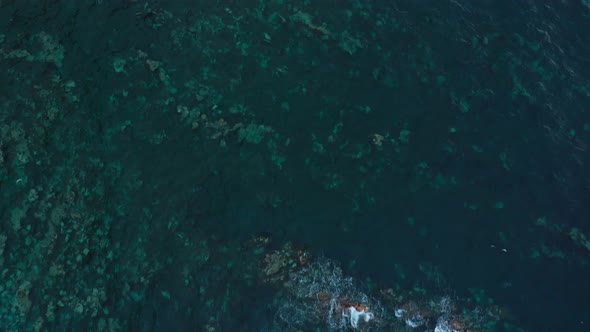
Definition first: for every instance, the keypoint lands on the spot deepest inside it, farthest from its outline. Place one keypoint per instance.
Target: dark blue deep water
(291, 165)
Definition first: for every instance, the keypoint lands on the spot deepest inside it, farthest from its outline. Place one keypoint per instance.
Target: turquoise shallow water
(227, 166)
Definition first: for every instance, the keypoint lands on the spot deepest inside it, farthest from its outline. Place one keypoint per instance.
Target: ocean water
(282, 165)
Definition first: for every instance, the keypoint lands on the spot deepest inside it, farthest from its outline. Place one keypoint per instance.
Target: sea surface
(280, 165)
